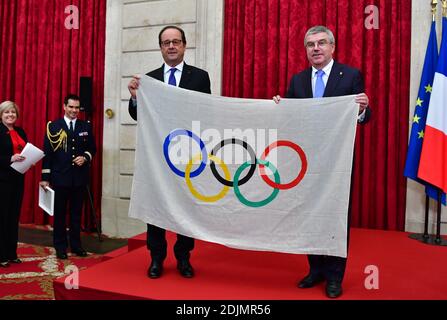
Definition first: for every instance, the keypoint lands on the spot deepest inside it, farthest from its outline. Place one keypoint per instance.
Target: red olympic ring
(301, 174)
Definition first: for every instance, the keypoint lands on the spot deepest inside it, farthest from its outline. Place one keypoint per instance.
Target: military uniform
(61, 147)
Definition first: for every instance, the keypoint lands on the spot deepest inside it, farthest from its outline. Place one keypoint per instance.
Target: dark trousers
(11, 195)
(64, 197)
(157, 244)
(330, 267)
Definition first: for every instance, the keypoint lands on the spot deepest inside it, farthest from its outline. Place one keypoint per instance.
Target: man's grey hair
(319, 29)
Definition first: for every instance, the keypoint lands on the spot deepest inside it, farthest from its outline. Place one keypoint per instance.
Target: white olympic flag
(245, 173)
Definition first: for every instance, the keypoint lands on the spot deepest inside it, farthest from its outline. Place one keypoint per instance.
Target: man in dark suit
(69, 149)
(326, 78)
(174, 71)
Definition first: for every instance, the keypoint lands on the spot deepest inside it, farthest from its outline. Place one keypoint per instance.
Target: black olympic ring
(247, 147)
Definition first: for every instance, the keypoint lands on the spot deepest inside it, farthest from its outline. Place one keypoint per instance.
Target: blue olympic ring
(183, 132)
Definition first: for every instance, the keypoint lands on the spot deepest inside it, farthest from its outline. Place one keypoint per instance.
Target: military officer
(69, 149)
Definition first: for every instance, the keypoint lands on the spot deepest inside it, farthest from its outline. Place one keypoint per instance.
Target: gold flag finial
(434, 3)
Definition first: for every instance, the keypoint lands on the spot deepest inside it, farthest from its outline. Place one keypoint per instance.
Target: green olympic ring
(264, 202)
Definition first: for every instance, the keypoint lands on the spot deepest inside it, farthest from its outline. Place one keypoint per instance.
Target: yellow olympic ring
(191, 188)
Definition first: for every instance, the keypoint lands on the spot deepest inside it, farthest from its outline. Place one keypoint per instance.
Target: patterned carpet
(33, 278)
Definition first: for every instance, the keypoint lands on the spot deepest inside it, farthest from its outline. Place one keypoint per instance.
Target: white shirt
(177, 74)
(327, 72)
(67, 121)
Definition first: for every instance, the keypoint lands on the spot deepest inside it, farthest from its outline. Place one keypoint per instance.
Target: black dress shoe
(333, 289)
(61, 255)
(310, 280)
(155, 269)
(80, 252)
(4, 264)
(185, 268)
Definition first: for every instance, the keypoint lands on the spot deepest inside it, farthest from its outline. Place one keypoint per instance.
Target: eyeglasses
(175, 43)
(320, 43)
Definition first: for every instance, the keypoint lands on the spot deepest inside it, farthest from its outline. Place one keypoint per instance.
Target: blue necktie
(71, 127)
(319, 85)
(172, 80)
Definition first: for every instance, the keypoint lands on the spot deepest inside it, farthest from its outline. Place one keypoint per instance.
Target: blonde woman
(12, 141)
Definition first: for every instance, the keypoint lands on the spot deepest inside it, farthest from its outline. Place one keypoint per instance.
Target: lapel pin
(341, 73)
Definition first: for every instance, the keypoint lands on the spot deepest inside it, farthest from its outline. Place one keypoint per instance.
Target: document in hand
(32, 155)
(46, 200)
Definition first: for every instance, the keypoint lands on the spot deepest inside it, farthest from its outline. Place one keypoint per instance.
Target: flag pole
(425, 237)
(438, 240)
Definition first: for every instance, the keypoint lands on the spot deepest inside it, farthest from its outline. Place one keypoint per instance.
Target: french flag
(433, 163)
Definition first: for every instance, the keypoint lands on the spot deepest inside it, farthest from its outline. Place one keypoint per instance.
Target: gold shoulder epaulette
(57, 140)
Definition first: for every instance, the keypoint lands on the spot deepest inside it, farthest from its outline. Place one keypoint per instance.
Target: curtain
(264, 47)
(41, 62)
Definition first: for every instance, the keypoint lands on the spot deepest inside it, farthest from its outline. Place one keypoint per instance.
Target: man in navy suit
(326, 78)
(174, 71)
(69, 148)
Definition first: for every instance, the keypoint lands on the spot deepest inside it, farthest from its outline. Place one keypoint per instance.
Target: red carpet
(33, 278)
(407, 268)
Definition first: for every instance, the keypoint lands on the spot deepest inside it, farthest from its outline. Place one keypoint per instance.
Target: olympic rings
(226, 180)
(301, 174)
